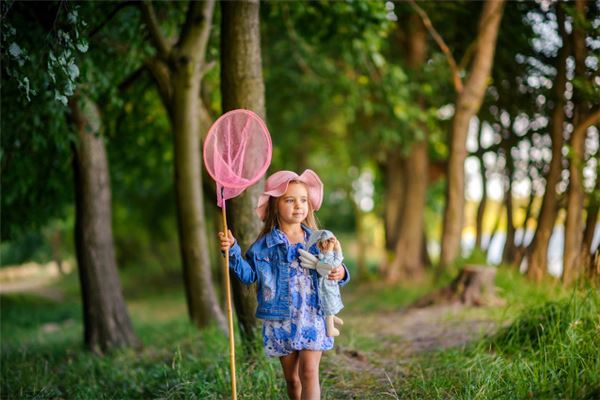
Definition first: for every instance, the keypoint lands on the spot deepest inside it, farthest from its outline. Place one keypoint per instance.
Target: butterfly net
(237, 152)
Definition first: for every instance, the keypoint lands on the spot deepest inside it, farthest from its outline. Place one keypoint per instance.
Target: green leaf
(15, 50)
(82, 46)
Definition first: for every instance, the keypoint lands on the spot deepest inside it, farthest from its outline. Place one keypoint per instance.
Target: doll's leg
(290, 364)
(331, 330)
(338, 320)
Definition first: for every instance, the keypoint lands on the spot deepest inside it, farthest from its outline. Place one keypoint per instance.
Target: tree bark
(408, 258)
(106, 320)
(495, 229)
(537, 258)
(483, 202)
(508, 254)
(407, 219)
(242, 86)
(574, 221)
(590, 226)
(394, 183)
(467, 105)
(178, 70)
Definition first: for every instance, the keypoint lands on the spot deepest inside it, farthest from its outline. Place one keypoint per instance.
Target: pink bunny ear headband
(277, 184)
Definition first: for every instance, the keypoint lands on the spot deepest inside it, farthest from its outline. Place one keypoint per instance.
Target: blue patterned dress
(305, 330)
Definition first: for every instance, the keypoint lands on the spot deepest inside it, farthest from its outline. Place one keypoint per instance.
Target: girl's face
(292, 207)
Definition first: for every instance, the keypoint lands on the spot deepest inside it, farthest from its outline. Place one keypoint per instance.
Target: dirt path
(380, 346)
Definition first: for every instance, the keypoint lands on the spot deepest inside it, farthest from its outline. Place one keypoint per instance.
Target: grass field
(544, 344)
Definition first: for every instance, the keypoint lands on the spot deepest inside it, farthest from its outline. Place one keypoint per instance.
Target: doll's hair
(272, 219)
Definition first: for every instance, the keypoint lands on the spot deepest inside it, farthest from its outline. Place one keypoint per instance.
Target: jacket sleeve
(346, 279)
(244, 269)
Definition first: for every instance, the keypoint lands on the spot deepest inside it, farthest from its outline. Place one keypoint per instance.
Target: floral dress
(305, 330)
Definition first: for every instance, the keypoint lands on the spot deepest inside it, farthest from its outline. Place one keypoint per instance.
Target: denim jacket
(266, 263)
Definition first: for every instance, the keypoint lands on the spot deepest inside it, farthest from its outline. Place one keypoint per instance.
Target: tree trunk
(393, 200)
(521, 249)
(177, 71)
(483, 202)
(242, 86)
(408, 224)
(537, 258)
(590, 226)
(474, 286)
(494, 230)
(574, 221)
(467, 105)
(508, 254)
(408, 261)
(105, 317)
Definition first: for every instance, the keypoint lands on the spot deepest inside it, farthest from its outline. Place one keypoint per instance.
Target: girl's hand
(337, 273)
(226, 242)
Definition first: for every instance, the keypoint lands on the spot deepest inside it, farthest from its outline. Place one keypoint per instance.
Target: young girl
(288, 298)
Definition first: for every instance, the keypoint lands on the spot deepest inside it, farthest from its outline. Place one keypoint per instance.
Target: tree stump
(474, 286)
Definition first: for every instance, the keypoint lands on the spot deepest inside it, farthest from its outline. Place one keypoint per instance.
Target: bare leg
(290, 364)
(309, 374)
(331, 330)
(337, 320)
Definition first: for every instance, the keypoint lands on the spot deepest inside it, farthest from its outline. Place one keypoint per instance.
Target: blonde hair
(272, 219)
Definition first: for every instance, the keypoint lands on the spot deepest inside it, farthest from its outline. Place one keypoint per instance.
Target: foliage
(40, 67)
(550, 351)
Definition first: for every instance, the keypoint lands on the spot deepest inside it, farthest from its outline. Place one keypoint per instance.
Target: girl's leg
(290, 366)
(309, 374)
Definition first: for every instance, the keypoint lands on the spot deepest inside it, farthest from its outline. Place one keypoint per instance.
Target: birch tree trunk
(105, 318)
(468, 103)
(242, 86)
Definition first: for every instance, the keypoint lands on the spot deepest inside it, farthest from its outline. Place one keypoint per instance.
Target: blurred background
(446, 134)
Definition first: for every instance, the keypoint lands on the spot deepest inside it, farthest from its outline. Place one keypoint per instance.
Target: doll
(329, 257)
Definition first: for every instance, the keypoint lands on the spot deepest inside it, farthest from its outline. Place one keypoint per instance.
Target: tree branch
(194, 35)
(160, 42)
(161, 75)
(592, 119)
(458, 86)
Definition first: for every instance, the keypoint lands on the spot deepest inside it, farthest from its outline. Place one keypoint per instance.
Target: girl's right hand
(226, 242)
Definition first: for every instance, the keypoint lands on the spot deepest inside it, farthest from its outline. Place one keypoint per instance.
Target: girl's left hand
(337, 273)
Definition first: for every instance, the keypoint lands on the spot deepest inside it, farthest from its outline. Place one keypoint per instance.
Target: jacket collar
(273, 239)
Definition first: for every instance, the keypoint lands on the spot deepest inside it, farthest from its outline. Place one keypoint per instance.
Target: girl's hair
(271, 221)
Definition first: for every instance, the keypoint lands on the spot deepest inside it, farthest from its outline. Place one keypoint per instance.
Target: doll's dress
(305, 330)
(329, 291)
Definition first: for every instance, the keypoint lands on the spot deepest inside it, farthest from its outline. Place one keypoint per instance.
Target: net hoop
(213, 131)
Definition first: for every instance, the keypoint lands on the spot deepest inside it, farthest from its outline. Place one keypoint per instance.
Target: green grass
(548, 349)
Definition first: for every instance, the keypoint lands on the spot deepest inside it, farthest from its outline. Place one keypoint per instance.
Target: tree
(106, 321)
(574, 224)
(408, 225)
(242, 87)
(467, 104)
(538, 249)
(177, 70)
(42, 116)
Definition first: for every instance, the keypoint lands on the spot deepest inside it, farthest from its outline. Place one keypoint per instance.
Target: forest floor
(384, 350)
(376, 348)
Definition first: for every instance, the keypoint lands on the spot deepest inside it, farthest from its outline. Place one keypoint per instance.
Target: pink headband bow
(277, 184)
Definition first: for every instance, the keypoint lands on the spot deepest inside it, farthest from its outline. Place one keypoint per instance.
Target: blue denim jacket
(266, 263)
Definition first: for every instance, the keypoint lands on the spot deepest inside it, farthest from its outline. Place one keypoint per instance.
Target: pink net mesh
(237, 152)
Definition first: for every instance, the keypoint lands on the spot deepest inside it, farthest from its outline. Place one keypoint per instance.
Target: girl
(288, 298)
